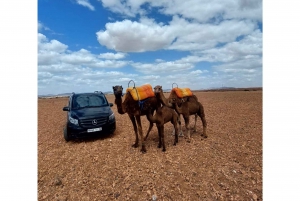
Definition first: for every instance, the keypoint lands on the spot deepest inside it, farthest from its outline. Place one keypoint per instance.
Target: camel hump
(182, 92)
(141, 93)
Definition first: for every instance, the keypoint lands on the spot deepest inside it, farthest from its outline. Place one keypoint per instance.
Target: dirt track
(225, 166)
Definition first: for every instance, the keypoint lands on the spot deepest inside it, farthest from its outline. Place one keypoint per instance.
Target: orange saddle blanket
(141, 93)
(182, 92)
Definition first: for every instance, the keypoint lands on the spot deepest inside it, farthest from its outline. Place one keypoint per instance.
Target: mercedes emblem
(94, 122)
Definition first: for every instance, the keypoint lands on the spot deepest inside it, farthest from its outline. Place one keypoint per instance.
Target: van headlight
(73, 121)
(111, 117)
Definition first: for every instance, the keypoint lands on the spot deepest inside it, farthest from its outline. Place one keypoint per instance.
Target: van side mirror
(66, 109)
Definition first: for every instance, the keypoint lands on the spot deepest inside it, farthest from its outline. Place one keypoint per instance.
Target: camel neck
(118, 102)
(162, 98)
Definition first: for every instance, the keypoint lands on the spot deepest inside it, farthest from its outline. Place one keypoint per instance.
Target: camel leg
(149, 129)
(162, 136)
(174, 122)
(136, 144)
(159, 136)
(202, 116)
(180, 128)
(138, 119)
(195, 129)
(187, 122)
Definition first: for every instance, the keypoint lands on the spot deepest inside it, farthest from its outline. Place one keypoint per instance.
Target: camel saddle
(182, 92)
(141, 93)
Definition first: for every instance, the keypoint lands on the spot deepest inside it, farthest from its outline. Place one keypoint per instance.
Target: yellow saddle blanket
(141, 93)
(182, 92)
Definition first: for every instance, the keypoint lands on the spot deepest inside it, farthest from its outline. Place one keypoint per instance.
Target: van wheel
(66, 135)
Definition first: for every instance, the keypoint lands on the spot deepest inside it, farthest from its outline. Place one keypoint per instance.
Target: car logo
(94, 122)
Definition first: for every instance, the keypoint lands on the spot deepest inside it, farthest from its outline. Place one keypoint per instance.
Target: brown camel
(159, 94)
(162, 116)
(134, 111)
(187, 106)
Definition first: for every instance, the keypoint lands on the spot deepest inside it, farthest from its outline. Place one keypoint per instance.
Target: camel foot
(135, 145)
(159, 146)
(205, 136)
(189, 140)
(143, 150)
(174, 144)
(164, 150)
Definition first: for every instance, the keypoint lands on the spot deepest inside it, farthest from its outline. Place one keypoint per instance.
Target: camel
(162, 116)
(134, 111)
(186, 106)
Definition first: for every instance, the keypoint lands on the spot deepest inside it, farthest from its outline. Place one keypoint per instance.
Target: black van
(88, 114)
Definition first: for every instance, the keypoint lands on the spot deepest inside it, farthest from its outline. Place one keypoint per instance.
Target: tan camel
(134, 111)
(162, 116)
(186, 106)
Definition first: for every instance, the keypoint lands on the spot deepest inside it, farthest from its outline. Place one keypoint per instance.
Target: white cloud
(52, 46)
(85, 3)
(127, 8)
(162, 67)
(79, 70)
(249, 47)
(197, 72)
(203, 24)
(205, 11)
(159, 60)
(221, 22)
(56, 53)
(201, 10)
(44, 75)
(41, 27)
(110, 55)
(240, 65)
(128, 36)
(194, 36)
(180, 34)
(86, 81)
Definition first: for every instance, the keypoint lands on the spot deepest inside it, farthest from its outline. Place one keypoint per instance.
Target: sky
(89, 45)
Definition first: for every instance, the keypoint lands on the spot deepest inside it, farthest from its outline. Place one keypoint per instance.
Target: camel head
(118, 90)
(158, 90)
(173, 98)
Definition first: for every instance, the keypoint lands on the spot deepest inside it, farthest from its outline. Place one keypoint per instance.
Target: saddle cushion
(182, 92)
(141, 93)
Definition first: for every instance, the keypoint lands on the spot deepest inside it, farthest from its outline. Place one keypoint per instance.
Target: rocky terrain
(225, 166)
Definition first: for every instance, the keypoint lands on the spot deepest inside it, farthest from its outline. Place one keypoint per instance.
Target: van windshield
(87, 100)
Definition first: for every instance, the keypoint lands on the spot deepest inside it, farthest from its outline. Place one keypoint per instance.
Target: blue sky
(88, 45)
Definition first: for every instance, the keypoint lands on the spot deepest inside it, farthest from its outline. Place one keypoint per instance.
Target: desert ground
(225, 166)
